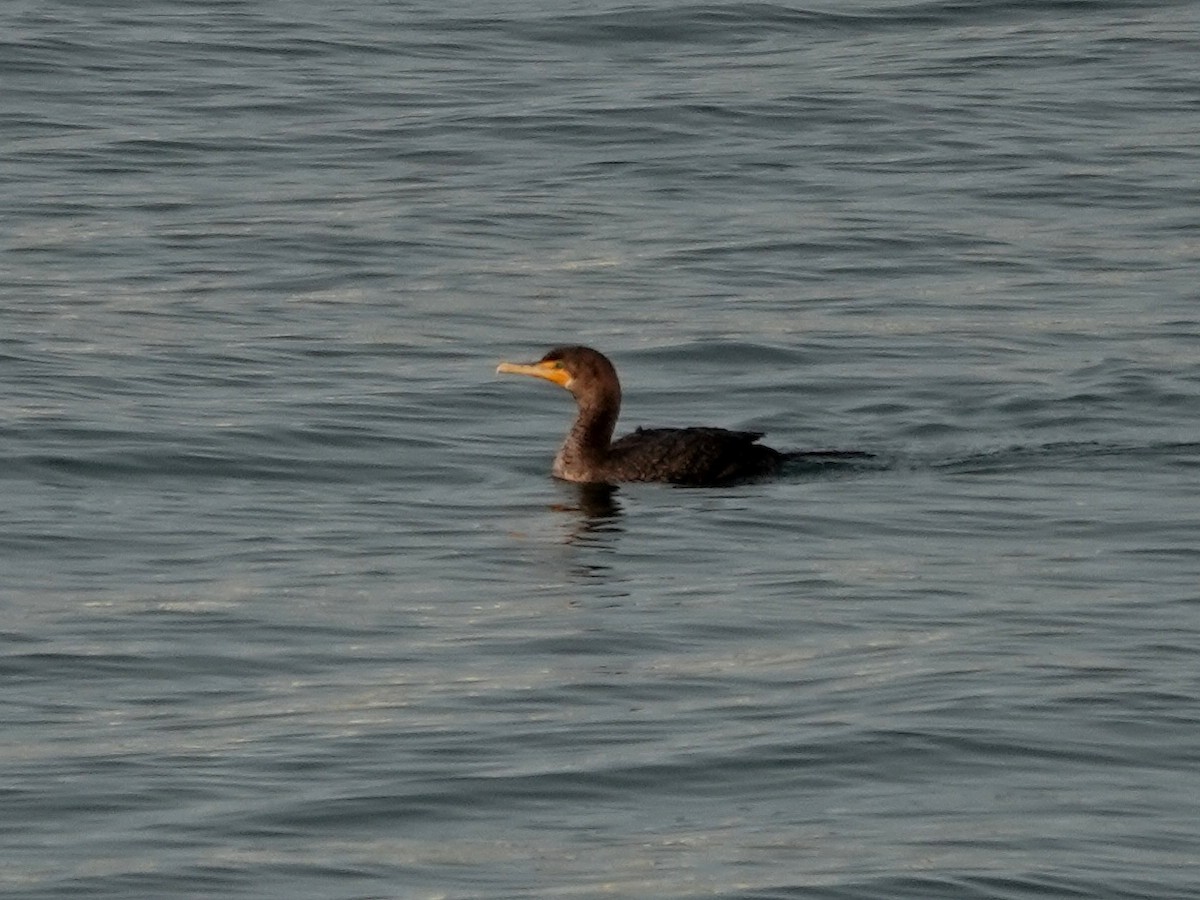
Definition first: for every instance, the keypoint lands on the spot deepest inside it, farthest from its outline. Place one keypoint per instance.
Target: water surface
(292, 606)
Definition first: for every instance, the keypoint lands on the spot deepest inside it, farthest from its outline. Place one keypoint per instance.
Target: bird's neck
(591, 434)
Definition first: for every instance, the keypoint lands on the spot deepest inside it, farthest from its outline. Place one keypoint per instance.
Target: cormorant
(691, 456)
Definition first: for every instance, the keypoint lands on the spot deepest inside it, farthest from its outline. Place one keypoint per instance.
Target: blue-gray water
(291, 606)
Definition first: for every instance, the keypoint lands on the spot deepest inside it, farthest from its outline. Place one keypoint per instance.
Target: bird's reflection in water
(597, 514)
(599, 502)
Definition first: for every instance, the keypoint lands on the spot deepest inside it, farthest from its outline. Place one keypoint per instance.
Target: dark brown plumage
(692, 456)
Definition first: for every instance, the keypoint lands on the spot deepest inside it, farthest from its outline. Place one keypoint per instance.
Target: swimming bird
(589, 455)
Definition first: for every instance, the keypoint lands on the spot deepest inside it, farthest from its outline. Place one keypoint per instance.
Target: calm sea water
(291, 606)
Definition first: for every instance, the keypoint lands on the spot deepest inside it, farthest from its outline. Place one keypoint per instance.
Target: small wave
(1016, 457)
(828, 462)
(143, 464)
(745, 22)
(687, 24)
(1070, 454)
